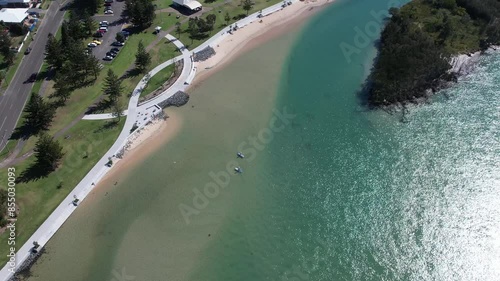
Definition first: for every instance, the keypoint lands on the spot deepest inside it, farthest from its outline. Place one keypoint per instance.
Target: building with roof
(191, 5)
(8, 15)
(15, 3)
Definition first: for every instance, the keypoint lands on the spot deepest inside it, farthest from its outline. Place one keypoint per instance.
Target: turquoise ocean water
(335, 192)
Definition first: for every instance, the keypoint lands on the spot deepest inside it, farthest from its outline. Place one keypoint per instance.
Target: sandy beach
(143, 144)
(153, 136)
(256, 33)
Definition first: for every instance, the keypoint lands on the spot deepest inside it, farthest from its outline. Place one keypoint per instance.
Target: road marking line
(3, 122)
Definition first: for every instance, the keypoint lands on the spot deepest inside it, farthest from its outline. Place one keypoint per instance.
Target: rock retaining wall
(204, 54)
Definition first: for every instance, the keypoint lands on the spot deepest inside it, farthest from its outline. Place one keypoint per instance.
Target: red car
(101, 31)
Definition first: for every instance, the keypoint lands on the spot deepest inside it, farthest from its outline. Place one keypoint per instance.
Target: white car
(92, 45)
(108, 12)
(104, 23)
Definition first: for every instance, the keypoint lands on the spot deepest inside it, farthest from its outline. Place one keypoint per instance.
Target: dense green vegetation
(418, 41)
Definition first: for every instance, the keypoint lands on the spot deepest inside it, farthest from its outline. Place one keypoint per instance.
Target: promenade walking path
(137, 115)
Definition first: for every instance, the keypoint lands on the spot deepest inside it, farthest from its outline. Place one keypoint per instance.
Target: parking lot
(115, 25)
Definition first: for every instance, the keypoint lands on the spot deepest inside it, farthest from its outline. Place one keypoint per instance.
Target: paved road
(13, 100)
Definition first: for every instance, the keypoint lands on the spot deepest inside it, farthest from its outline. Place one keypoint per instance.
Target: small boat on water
(240, 155)
(238, 170)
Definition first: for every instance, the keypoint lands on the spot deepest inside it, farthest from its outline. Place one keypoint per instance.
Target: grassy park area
(235, 11)
(36, 199)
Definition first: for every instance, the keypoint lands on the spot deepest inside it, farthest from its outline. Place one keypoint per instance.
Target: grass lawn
(166, 21)
(162, 4)
(157, 80)
(7, 150)
(37, 199)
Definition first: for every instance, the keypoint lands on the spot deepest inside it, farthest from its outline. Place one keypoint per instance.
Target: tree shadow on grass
(239, 17)
(99, 107)
(23, 132)
(134, 72)
(33, 173)
(47, 74)
(107, 126)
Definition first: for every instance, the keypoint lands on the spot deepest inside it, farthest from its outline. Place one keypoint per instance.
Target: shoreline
(154, 136)
(145, 143)
(245, 39)
(255, 34)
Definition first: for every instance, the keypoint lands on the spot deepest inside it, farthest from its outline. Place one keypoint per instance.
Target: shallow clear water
(336, 193)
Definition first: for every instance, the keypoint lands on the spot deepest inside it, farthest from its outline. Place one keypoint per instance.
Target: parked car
(103, 28)
(118, 44)
(108, 12)
(125, 33)
(107, 4)
(111, 54)
(108, 1)
(92, 45)
(101, 31)
(98, 42)
(115, 50)
(104, 23)
(107, 8)
(28, 51)
(98, 34)
(108, 58)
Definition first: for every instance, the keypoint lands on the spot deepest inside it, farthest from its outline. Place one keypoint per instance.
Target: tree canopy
(140, 12)
(39, 114)
(142, 58)
(418, 41)
(48, 152)
(112, 87)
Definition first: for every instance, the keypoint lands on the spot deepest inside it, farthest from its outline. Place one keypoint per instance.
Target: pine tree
(39, 114)
(89, 24)
(142, 58)
(54, 51)
(120, 37)
(92, 64)
(211, 21)
(5, 42)
(48, 152)
(193, 29)
(140, 12)
(247, 5)
(112, 87)
(62, 89)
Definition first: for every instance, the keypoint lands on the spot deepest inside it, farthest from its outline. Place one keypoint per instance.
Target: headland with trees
(419, 41)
